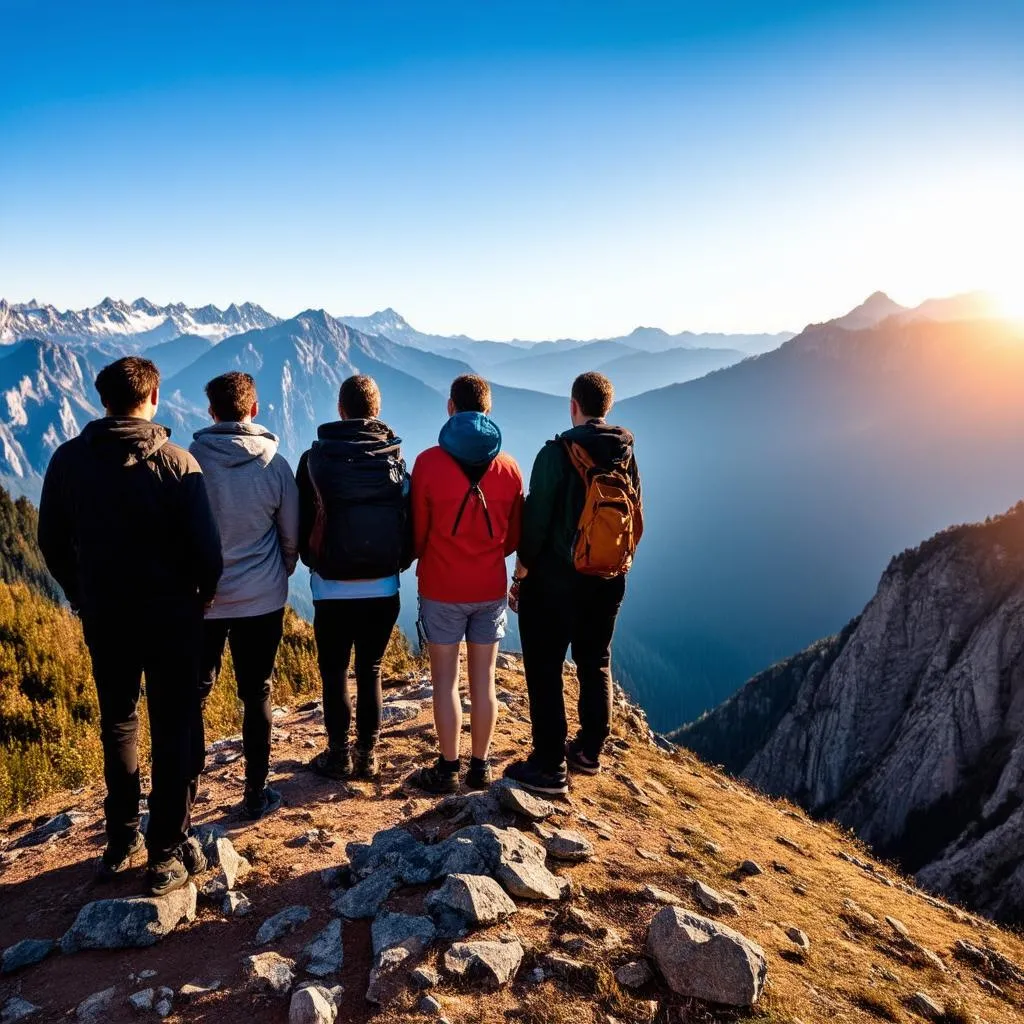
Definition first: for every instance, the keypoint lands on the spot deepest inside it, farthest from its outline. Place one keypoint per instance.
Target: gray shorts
(444, 622)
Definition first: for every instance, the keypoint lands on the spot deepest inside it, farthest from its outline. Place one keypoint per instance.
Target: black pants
(254, 641)
(340, 625)
(166, 650)
(553, 617)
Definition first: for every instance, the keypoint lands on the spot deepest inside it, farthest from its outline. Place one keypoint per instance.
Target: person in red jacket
(467, 499)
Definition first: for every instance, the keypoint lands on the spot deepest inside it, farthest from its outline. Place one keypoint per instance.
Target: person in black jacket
(355, 533)
(126, 529)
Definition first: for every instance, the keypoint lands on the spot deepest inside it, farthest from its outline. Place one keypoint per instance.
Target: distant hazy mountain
(871, 312)
(174, 355)
(776, 490)
(138, 325)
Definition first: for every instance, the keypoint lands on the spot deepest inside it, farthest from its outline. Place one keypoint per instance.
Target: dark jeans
(166, 650)
(339, 625)
(254, 641)
(554, 616)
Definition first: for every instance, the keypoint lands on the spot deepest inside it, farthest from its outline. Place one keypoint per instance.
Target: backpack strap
(580, 458)
(474, 474)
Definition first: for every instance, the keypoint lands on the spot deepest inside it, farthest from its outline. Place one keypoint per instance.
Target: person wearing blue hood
(467, 498)
(256, 504)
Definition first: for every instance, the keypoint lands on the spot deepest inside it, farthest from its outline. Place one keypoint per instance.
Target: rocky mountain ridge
(907, 727)
(658, 892)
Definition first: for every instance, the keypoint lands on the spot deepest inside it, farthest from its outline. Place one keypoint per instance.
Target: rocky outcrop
(909, 726)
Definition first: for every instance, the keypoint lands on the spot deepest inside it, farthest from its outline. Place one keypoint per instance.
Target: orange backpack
(612, 520)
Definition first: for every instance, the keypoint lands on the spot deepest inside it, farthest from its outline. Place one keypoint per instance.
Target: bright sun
(1010, 303)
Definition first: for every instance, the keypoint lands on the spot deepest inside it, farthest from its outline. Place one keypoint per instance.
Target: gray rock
(312, 1004)
(395, 712)
(705, 960)
(573, 972)
(165, 992)
(475, 808)
(652, 894)
(713, 901)
(517, 862)
(471, 900)
(412, 931)
(325, 953)
(214, 890)
(798, 938)
(63, 822)
(235, 904)
(283, 923)
(96, 1005)
(520, 801)
(750, 868)
(208, 836)
(234, 867)
(566, 844)
(430, 1006)
(146, 974)
(25, 954)
(197, 989)
(491, 964)
(127, 923)
(635, 974)
(163, 1008)
(509, 662)
(269, 972)
(923, 1004)
(458, 856)
(390, 970)
(366, 897)
(425, 977)
(142, 1000)
(898, 927)
(16, 1009)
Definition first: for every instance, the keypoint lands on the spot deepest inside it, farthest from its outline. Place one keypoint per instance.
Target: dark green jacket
(551, 512)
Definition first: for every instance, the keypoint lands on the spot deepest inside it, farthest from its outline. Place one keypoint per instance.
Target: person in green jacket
(561, 608)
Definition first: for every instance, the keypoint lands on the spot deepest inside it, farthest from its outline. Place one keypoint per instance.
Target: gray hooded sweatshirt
(256, 504)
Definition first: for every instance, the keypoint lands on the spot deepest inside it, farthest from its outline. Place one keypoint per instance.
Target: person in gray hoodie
(256, 504)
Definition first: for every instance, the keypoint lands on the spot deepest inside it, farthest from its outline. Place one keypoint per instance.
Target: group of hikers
(170, 555)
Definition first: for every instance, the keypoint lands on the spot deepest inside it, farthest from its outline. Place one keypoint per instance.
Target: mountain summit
(871, 312)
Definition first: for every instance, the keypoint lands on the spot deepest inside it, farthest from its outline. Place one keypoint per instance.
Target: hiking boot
(438, 778)
(192, 857)
(364, 763)
(580, 762)
(479, 775)
(117, 857)
(166, 876)
(259, 801)
(537, 780)
(333, 763)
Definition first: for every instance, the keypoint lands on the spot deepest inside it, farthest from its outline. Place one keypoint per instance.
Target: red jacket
(468, 566)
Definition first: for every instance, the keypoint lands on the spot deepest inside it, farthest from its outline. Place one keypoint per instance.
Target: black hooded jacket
(551, 512)
(354, 505)
(125, 523)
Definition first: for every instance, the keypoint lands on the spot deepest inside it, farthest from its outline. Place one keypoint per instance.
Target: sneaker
(260, 801)
(192, 857)
(117, 857)
(578, 761)
(333, 763)
(364, 763)
(535, 779)
(436, 778)
(166, 876)
(479, 775)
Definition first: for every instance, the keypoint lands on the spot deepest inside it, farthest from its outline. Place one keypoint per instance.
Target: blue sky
(531, 170)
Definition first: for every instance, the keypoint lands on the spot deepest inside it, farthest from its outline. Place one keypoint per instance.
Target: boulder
(395, 712)
(566, 844)
(208, 836)
(521, 801)
(325, 953)
(312, 1004)
(16, 1009)
(366, 897)
(516, 861)
(142, 1000)
(25, 954)
(126, 923)
(269, 972)
(234, 867)
(96, 1005)
(235, 904)
(705, 960)
(390, 969)
(635, 974)
(59, 823)
(469, 900)
(283, 923)
(491, 964)
(414, 932)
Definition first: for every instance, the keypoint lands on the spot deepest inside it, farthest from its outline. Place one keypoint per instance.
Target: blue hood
(471, 437)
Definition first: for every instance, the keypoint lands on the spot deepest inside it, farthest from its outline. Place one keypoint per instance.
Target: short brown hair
(594, 394)
(232, 396)
(471, 393)
(359, 396)
(126, 383)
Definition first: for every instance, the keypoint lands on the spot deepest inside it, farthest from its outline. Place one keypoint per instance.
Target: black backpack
(362, 524)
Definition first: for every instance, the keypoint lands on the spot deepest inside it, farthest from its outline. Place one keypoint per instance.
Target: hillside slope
(909, 726)
(653, 819)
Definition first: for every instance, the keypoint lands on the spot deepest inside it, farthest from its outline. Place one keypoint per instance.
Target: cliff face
(908, 727)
